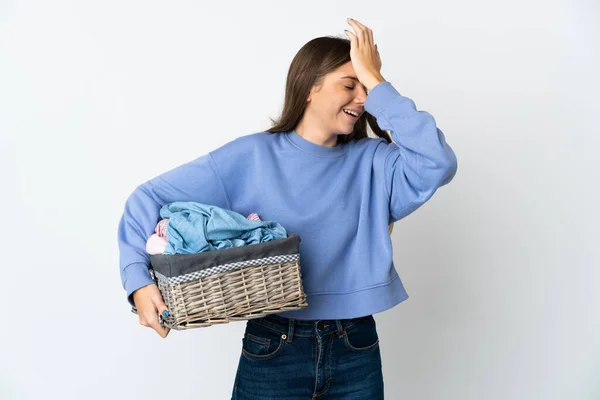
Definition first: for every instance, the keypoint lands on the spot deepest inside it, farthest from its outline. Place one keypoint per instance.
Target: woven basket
(238, 283)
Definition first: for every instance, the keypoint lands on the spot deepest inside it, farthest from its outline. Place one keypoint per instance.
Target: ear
(309, 98)
(314, 89)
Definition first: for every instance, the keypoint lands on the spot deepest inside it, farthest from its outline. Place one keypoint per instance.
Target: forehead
(344, 74)
(343, 70)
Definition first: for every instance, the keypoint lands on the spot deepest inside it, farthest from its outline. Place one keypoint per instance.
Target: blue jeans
(287, 359)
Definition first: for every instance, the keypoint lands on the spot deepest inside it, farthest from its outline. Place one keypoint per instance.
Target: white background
(502, 265)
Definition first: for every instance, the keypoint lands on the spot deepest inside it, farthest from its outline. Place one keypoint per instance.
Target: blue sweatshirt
(340, 200)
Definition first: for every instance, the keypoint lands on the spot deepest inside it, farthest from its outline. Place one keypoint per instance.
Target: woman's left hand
(364, 55)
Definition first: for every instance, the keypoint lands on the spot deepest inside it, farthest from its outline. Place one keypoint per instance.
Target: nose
(361, 95)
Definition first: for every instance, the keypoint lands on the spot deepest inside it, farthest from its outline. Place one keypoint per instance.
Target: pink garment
(254, 217)
(156, 245)
(161, 228)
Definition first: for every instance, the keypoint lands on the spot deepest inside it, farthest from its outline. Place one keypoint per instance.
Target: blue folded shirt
(196, 227)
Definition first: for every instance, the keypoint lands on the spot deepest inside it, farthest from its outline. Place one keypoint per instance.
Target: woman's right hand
(149, 303)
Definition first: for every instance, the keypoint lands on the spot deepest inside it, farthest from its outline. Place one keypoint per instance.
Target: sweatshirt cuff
(136, 276)
(380, 98)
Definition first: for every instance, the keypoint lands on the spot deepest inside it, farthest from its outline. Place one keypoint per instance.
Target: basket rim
(170, 265)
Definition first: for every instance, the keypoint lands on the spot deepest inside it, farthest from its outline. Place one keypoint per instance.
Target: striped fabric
(254, 217)
(161, 228)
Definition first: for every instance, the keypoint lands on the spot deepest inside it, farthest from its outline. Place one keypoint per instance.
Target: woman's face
(339, 91)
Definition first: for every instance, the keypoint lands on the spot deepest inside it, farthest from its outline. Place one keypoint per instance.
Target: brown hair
(313, 61)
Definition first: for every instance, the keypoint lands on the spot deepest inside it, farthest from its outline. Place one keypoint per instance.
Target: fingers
(359, 31)
(353, 38)
(363, 33)
(162, 330)
(151, 321)
(161, 307)
(149, 303)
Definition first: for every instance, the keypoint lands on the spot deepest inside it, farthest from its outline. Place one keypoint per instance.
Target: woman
(318, 174)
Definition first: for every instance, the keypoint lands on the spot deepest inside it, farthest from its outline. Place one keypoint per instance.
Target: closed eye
(349, 87)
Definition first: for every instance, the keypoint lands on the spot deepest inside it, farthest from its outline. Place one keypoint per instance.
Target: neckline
(314, 148)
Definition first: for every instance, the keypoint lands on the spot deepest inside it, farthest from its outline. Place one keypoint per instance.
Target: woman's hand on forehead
(364, 54)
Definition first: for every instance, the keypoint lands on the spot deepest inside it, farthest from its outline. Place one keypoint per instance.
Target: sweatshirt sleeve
(196, 180)
(419, 161)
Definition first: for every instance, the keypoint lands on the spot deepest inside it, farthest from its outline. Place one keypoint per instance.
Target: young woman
(316, 172)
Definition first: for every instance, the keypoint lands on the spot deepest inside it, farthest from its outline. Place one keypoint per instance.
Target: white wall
(500, 266)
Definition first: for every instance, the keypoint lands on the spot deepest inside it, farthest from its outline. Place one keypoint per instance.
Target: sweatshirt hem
(351, 305)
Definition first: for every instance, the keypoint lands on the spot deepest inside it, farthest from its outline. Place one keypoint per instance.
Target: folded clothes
(157, 243)
(195, 227)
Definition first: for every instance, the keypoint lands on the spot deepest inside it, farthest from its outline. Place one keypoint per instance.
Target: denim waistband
(292, 327)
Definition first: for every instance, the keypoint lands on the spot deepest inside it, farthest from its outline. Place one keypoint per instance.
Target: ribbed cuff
(136, 277)
(382, 96)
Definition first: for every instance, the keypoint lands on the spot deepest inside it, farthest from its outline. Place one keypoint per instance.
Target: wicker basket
(238, 283)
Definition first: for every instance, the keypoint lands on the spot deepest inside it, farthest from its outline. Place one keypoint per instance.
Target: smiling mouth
(350, 114)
